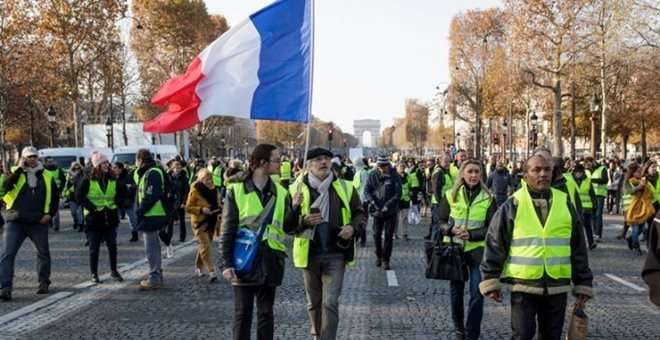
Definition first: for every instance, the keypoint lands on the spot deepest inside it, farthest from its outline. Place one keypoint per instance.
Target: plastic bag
(414, 217)
(579, 324)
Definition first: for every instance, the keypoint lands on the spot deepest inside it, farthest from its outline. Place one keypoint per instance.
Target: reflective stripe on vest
(157, 209)
(571, 187)
(10, 197)
(102, 200)
(467, 216)
(537, 249)
(285, 170)
(56, 176)
(583, 190)
(599, 189)
(301, 242)
(249, 207)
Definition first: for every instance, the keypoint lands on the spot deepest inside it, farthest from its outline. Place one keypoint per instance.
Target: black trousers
(361, 237)
(528, 309)
(95, 237)
(386, 224)
(244, 297)
(179, 215)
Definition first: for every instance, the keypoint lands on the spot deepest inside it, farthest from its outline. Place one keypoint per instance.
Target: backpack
(169, 198)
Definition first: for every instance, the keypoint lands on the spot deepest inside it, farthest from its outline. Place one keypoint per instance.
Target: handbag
(247, 241)
(447, 262)
(578, 326)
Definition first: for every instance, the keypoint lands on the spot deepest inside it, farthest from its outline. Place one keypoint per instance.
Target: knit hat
(382, 160)
(29, 151)
(98, 158)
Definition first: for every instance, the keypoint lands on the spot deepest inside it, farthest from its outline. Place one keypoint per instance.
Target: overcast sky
(372, 54)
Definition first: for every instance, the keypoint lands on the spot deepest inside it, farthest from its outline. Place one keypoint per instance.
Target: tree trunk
(603, 114)
(477, 130)
(511, 137)
(573, 108)
(594, 137)
(643, 141)
(558, 148)
(625, 146)
(527, 131)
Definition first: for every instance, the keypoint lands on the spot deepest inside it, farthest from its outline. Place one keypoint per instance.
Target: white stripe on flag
(230, 66)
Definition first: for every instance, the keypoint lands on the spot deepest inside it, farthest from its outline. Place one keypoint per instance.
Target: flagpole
(311, 84)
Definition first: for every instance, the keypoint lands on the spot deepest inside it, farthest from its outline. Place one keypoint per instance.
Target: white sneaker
(169, 252)
(198, 272)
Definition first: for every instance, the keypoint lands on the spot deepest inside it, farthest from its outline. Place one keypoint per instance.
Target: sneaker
(115, 275)
(5, 294)
(169, 252)
(95, 278)
(43, 288)
(386, 265)
(146, 285)
(213, 277)
(198, 272)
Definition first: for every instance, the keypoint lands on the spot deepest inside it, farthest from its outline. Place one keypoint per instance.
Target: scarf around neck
(32, 174)
(323, 187)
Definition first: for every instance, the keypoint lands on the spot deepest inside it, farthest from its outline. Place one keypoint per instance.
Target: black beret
(316, 152)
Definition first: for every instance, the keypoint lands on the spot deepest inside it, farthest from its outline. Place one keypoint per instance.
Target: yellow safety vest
(56, 176)
(405, 189)
(216, 174)
(537, 249)
(2, 185)
(583, 190)
(249, 207)
(102, 199)
(454, 171)
(414, 181)
(157, 209)
(357, 179)
(599, 189)
(301, 241)
(10, 197)
(656, 190)
(571, 187)
(446, 186)
(285, 170)
(468, 216)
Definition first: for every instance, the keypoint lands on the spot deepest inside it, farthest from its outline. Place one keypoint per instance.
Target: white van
(126, 154)
(65, 156)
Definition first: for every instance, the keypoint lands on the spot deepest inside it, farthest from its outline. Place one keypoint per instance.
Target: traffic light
(330, 134)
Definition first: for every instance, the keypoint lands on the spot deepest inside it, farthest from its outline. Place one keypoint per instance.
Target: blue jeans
(472, 328)
(15, 234)
(634, 235)
(76, 213)
(130, 212)
(597, 217)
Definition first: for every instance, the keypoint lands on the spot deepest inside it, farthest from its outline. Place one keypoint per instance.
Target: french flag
(259, 69)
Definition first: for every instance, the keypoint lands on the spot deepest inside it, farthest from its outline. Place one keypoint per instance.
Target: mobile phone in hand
(314, 210)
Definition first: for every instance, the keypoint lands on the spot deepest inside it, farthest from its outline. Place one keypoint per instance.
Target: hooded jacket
(384, 190)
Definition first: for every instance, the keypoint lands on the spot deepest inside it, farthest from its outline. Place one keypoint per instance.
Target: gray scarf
(32, 174)
(323, 201)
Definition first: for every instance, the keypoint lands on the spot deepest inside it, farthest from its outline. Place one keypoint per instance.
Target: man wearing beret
(330, 214)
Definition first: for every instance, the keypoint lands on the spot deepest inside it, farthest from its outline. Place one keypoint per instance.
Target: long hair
(97, 173)
(630, 173)
(460, 181)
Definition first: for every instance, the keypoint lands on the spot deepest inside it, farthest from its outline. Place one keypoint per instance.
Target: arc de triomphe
(368, 127)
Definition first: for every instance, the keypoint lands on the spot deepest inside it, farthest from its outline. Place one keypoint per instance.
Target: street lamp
(247, 146)
(108, 132)
(199, 137)
(595, 110)
(51, 116)
(330, 133)
(534, 119)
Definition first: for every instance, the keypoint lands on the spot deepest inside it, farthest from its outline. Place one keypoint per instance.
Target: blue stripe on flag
(284, 61)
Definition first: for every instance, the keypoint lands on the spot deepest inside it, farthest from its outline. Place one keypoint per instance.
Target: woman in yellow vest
(244, 208)
(463, 216)
(99, 195)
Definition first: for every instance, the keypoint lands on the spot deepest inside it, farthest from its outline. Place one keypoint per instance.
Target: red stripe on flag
(182, 102)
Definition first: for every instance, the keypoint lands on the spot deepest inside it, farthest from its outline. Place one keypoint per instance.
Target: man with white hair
(32, 199)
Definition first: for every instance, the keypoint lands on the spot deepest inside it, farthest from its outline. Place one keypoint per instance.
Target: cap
(29, 151)
(316, 152)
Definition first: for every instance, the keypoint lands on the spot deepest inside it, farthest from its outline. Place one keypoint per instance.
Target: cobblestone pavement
(191, 308)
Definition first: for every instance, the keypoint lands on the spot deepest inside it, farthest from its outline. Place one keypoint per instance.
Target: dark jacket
(500, 182)
(438, 182)
(358, 221)
(445, 222)
(125, 180)
(28, 207)
(180, 188)
(99, 220)
(269, 263)
(153, 193)
(384, 190)
(496, 252)
(651, 269)
(71, 185)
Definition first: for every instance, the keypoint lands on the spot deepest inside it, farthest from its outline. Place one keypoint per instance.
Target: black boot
(379, 262)
(115, 275)
(134, 236)
(95, 278)
(386, 265)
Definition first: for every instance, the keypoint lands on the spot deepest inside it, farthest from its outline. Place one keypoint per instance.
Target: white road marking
(391, 278)
(55, 307)
(625, 283)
